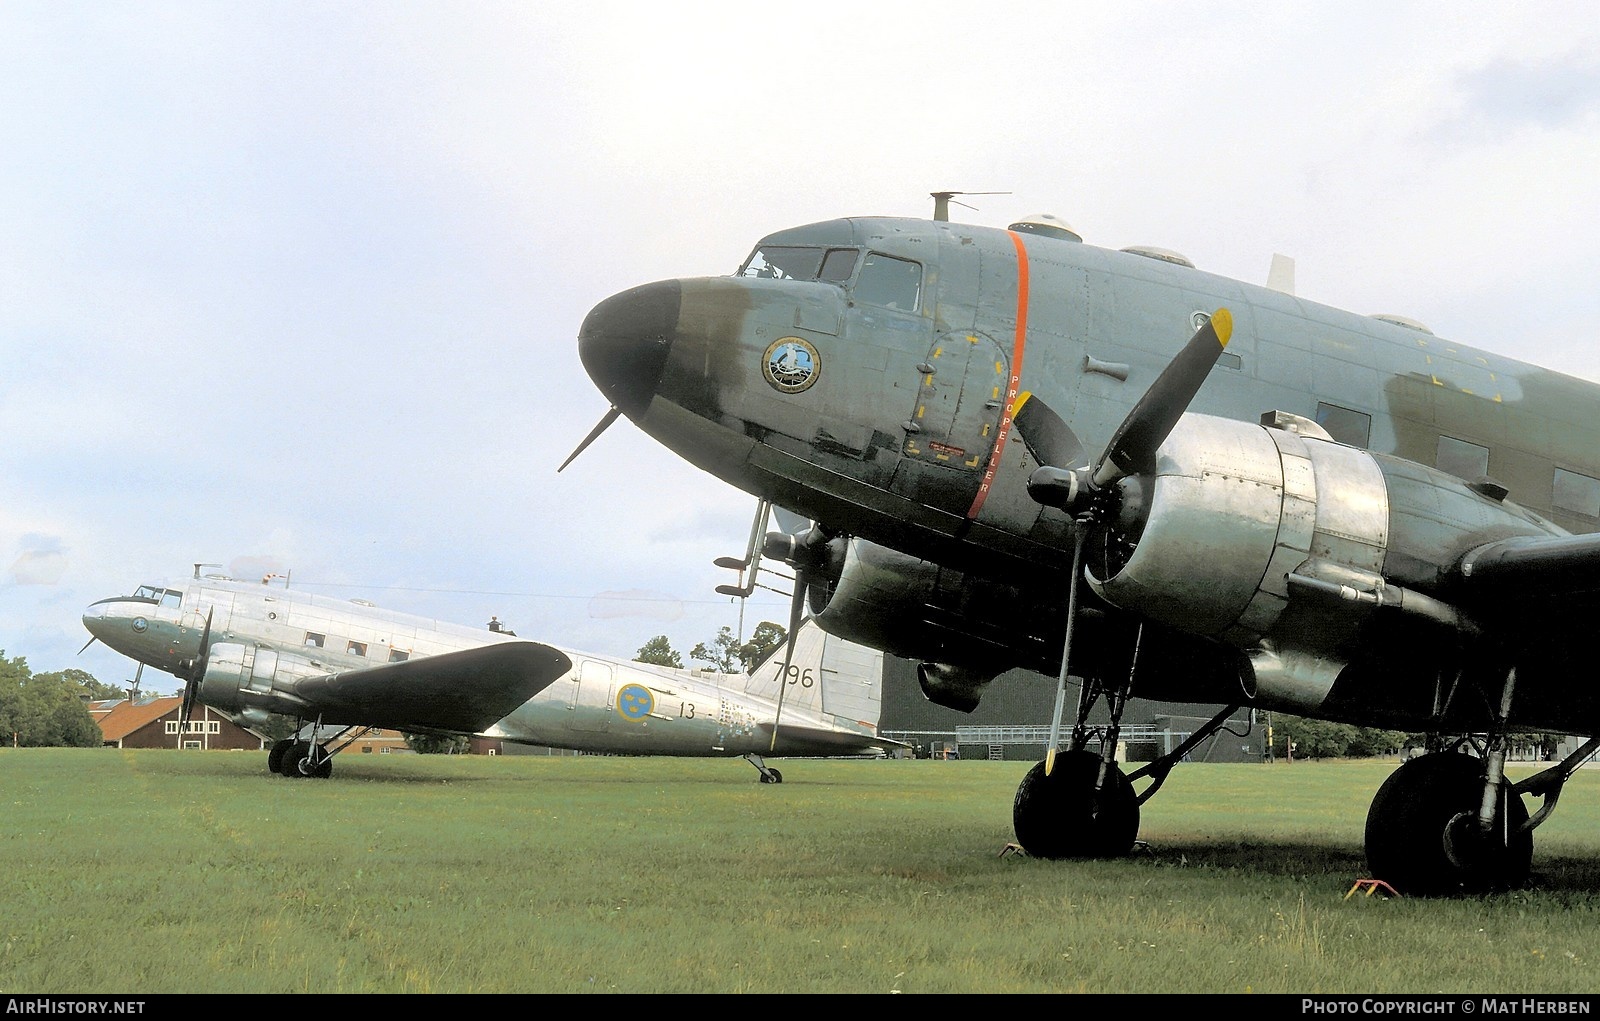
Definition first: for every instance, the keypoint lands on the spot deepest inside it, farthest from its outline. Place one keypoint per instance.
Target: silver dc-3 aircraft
(1020, 450)
(250, 650)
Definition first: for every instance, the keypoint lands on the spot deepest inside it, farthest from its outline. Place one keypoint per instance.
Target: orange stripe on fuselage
(1017, 344)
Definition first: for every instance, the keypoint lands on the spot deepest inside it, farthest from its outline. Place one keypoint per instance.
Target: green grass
(160, 872)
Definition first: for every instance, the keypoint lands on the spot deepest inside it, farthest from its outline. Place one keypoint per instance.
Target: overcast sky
(295, 287)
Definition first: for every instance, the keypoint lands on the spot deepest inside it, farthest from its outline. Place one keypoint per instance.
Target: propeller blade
(600, 427)
(191, 687)
(1049, 439)
(1133, 447)
(1078, 537)
(797, 607)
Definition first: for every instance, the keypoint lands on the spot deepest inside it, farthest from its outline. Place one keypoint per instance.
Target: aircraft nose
(97, 619)
(624, 342)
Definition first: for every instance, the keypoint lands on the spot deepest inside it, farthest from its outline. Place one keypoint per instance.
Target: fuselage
(603, 704)
(864, 372)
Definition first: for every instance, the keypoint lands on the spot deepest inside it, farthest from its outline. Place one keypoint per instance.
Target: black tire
(294, 760)
(1063, 816)
(777, 777)
(1422, 837)
(275, 756)
(324, 764)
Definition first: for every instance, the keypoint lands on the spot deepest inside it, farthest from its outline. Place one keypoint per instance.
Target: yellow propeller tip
(1222, 324)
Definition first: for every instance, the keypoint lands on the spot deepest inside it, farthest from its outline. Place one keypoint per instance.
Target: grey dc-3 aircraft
(1020, 450)
(250, 650)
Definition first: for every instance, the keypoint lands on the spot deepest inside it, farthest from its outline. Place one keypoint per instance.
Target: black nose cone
(624, 342)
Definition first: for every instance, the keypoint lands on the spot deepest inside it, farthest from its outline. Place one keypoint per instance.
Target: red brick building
(153, 723)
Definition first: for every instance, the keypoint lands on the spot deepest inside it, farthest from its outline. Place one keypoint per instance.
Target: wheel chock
(1372, 886)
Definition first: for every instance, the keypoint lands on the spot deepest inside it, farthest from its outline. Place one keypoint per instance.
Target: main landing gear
(1451, 823)
(310, 752)
(1084, 806)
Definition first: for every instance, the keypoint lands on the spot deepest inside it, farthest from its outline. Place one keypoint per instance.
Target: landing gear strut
(768, 774)
(1423, 836)
(307, 754)
(1450, 823)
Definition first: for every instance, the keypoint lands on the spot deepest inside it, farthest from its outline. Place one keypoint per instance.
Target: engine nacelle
(1249, 535)
(246, 680)
(964, 631)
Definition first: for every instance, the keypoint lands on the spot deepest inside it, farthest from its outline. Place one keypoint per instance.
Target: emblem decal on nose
(791, 365)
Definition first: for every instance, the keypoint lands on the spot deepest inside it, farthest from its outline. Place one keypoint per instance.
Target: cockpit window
(838, 265)
(890, 282)
(170, 597)
(788, 262)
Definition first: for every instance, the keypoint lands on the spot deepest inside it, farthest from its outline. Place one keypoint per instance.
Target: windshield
(156, 594)
(790, 262)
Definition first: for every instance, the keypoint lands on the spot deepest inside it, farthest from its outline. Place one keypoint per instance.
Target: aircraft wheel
(1422, 836)
(295, 760)
(324, 764)
(1063, 816)
(772, 776)
(275, 756)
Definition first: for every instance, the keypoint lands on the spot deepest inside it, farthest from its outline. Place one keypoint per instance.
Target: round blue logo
(635, 702)
(791, 365)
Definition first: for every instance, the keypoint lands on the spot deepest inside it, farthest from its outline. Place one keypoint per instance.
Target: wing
(1563, 567)
(465, 692)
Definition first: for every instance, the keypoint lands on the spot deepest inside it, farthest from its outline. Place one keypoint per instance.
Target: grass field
(163, 872)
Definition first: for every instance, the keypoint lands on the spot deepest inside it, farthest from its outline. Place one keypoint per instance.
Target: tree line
(49, 710)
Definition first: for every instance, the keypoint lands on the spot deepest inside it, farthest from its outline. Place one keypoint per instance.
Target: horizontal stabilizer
(797, 739)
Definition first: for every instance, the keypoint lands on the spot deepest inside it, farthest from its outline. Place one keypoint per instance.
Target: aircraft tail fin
(827, 675)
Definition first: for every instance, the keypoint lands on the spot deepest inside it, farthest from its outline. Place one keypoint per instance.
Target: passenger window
(398, 655)
(1464, 460)
(315, 640)
(1578, 494)
(1352, 428)
(356, 648)
(890, 282)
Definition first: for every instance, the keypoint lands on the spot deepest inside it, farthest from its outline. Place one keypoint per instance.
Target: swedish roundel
(635, 702)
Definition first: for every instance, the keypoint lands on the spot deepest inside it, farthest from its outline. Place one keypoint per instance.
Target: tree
(725, 654)
(437, 744)
(722, 654)
(92, 687)
(659, 652)
(768, 639)
(45, 710)
(1319, 739)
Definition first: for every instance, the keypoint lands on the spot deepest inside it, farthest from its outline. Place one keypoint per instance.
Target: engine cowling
(964, 631)
(1283, 544)
(245, 680)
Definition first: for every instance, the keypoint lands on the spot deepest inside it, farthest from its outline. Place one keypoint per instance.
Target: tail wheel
(1423, 837)
(1062, 815)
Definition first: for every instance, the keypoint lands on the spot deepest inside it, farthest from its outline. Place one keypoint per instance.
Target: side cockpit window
(890, 282)
(792, 262)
